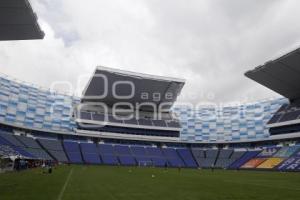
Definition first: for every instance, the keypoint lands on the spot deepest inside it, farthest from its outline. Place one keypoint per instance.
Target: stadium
(126, 137)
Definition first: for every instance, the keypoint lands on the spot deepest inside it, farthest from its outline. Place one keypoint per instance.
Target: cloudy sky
(210, 43)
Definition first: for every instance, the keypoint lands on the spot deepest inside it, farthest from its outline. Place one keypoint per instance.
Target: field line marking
(65, 185)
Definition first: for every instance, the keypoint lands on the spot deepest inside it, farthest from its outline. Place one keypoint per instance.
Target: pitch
(130, 183)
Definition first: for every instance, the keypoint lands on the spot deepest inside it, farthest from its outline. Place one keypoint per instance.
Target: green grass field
(125, 183)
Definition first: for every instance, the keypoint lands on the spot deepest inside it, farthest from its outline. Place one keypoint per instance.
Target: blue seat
(122, 150)
(175, 162)
(127, 160)
(159, 161)
(109, 160)
(154, 151)
(73, 152)
(187, 157)
(105, 149)
(91, 158)
(245, 158)
(75, 157)
(88, 148)
(138, 150)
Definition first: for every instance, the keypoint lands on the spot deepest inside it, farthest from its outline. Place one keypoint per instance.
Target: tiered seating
(243, 159)
(286, 119)
(270, 163)
(205, 158)
(156, 156)
(73, 152)
(262, 157)
(292, 163)
(12, 139)
(253, 163)
(187, 157)
(211, 156)
(139, 152)
(34, 148)
(28, 142)
(278, 157)
(124, 155)
(14, 144)
(286, 113)
(90, 153)
(106, 152)
(286, 152)
(268, 152)
(199, 155)
(55, 148)
(235, 156)
(142, 121)
(6, 150)
(172, 157)
(135, 131)
(224, 160)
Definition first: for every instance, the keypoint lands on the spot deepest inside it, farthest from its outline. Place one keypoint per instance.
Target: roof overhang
(18, 21)
(111, 86)
(281, 75)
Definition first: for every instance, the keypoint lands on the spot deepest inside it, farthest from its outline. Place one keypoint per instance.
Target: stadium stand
(292, 163)
(133, 131)
(264, 159)
(253, 163)
(246, 126)
(244, 159)
(268, 152)
(224, 158)
(287, 112)
(73, 152)
(211, 156)
(127, 160)
(143, 122)
(124, 154)
(34, 148)
(199, 156)
(31, 109)
(156, 156)
(12, 139)
(282, 76)
(270, 163)
(206, 158)
(238, 139)
(106, 152)
(6, 150)
(237, 154)
(286, 152)
(9, 140)
(187, 157)
(90, 153)
(172, 157)
(54, 148)
(12, 90)
(140, 155)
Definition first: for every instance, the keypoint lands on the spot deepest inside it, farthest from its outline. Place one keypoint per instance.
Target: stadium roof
(281, 75)
(138, 87)
(18, 21)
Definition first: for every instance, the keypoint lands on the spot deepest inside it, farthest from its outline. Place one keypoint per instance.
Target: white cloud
(210, 43)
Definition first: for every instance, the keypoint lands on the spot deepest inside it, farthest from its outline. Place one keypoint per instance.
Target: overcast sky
(210, 43)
